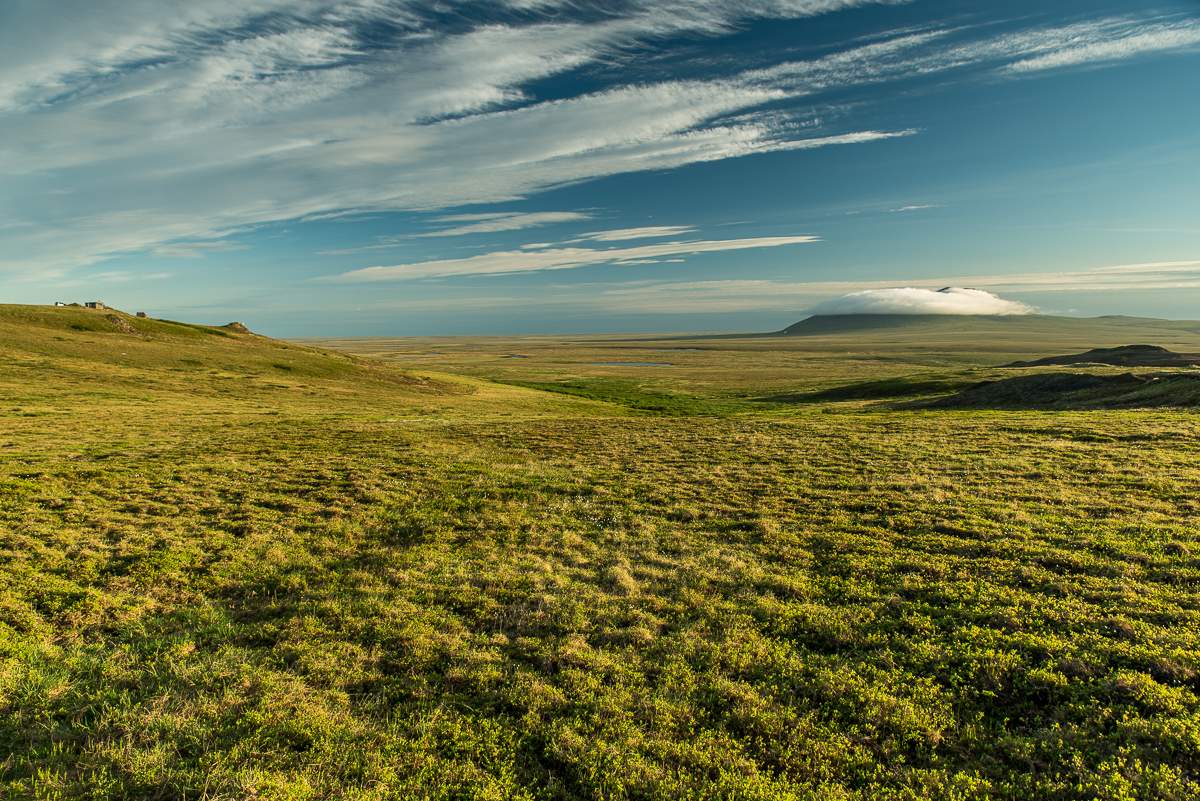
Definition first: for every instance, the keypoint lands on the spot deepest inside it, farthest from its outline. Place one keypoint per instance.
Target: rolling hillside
(1121, 356)
(1079, 390)
(79, 351)
(232, 567)
(1033, 334)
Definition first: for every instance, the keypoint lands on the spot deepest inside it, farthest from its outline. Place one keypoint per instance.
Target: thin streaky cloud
(495, 223)
(646, 232)
(1107, 39)
(463, 218)
(131, 126)
(558, 258)
(196, 250)
(915, 207)
(1152, 267)
(1127, 44)
(727, 295)
(384, 243)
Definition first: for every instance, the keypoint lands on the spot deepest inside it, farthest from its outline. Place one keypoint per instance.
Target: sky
(396, 167)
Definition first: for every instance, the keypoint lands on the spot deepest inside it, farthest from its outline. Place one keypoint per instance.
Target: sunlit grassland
(233, 579)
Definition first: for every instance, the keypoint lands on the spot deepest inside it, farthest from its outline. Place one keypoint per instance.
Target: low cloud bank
(912, 300)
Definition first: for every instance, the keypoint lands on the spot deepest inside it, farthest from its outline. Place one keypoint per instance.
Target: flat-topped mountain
(1122, 356)
(1104, 327)
(824, 324)
(1010, 337)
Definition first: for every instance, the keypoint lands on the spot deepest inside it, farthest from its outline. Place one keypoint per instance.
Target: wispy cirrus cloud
(915, 207)
(195, 250)
(646, 232)
(124, 276)
(113, 277)
(1012, 54)
(491, 223)
(500, 221)
(1114, 42)
(234, 114)
(558, 258)
(793, 298)
(741, 295)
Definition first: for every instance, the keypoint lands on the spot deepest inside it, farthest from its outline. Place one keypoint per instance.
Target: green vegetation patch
(902, 387)
(636, 396)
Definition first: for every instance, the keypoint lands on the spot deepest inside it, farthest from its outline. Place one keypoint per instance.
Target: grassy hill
(1121, 356)
(1077, 390)
(238, 568)
(77, 351)
(1009, 333)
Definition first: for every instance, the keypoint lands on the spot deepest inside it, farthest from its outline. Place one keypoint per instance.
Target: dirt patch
(121, 324)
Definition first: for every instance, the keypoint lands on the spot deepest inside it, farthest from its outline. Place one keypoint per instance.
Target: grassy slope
(1079, 390)
(232, 580)
(1091, 331)
(81, 351)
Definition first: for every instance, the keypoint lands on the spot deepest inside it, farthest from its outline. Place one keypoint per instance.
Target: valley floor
(301, 582)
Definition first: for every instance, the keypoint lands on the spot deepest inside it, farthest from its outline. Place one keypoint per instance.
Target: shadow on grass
(872, 390)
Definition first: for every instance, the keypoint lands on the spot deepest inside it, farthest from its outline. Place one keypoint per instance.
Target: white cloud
(932, 52)
(914, 300)
(558, 258)
(726, 295)
(740, 295)
(504, 221)
(195, 250)
(746, 295)
(110, 277)
(684, 297)
(723, 296)
(1190, 266)
(915, 207)
(647, 232)
(1124, 43)
(487, 215)
(892, 57)
(322, 160)
(124, 276)
(131, 125)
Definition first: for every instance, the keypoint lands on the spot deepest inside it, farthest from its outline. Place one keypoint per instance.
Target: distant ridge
(1077, 391)
(849, 323)
(1110, 331)
(1122, 356)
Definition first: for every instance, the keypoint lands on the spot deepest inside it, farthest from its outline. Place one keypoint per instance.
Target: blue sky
(391, 167)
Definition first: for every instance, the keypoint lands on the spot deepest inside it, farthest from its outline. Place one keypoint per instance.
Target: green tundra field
(594, 568)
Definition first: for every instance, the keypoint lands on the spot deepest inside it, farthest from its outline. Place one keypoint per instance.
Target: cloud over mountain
(914, 300)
